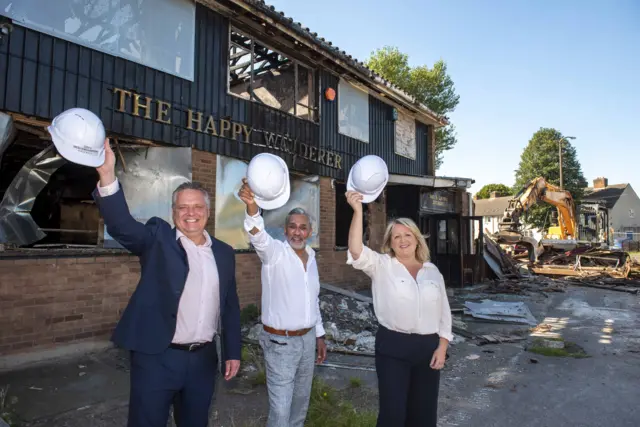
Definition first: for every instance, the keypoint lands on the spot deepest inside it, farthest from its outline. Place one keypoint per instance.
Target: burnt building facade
(192, 99)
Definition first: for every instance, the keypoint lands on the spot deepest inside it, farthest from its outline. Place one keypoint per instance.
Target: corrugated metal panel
(43, 76)
(381, 136)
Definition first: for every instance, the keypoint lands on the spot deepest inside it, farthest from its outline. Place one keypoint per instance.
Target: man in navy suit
(186, 296)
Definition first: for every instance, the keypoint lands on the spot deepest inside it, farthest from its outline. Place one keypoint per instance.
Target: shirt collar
(207, 242)
(307, 248)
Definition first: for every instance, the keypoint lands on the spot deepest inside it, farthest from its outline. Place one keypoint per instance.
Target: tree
(431, 86)
(501, 190)
(540, 158)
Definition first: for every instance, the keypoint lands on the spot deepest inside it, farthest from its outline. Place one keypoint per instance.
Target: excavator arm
(538, 190)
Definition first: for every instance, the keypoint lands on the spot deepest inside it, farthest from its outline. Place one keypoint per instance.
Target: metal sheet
(7, 132)
(509, 312)
(16, 224)
(305, 193)
(151, 176)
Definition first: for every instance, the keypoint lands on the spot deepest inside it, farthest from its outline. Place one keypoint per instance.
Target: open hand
(355, 200)
(232, 368)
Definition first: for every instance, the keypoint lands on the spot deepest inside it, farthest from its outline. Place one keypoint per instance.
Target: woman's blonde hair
(422, 250)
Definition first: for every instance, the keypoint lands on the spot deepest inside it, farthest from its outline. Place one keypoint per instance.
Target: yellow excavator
(539, 190)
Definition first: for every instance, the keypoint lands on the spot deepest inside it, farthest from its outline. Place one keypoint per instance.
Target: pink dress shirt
(198, 316)
(199, 309)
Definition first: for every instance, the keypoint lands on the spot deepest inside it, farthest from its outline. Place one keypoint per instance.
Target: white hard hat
(79, 135)
(268, 178)
(368, 177)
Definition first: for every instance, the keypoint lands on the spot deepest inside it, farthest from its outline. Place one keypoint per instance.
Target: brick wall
(47, 302)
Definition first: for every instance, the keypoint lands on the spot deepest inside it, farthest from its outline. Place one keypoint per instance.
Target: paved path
(482, 386)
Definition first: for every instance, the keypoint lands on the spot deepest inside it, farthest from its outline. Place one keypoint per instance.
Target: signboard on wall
(405, 143)
(438, 201)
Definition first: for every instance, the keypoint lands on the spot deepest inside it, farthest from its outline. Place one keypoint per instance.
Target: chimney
(494, 194)
(600, 183)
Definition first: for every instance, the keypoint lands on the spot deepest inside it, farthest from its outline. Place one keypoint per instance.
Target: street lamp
(560, 154)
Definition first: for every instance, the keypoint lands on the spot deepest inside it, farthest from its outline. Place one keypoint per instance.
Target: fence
(629, 241)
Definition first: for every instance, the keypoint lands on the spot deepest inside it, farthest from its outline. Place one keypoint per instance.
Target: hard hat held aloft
(79, 135)
(268, 178)
(368, 177)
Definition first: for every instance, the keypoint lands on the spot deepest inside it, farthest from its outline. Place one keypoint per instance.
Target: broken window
(344, 214)
(260, 74)
(45, 201)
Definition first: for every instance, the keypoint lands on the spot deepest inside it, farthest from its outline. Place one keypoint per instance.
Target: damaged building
(194, 99)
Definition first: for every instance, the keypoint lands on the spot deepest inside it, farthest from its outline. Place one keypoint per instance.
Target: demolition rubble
(586, 265)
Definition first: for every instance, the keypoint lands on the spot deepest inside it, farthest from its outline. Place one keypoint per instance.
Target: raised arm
(359, 256)
(355, 230)
(266, 246)
(131, 234)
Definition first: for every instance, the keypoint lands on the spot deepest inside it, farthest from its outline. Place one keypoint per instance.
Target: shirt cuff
(320, 330)
(253, 221)
(110, 189)
(446, 335)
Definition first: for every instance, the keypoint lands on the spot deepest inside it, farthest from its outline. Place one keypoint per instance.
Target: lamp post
(560, 155)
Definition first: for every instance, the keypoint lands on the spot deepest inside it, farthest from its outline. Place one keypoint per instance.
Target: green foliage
(355, 382)
(249, 314)
(430, 86)
(327, 409)
(541, 158)
(501, 190)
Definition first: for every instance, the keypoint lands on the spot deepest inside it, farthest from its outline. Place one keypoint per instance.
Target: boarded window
(230, 210)
(353, 116)
(159, 34)
(405, 145)
(260, 74)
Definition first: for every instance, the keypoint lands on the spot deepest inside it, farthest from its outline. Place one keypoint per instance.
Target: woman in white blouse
(410, 302)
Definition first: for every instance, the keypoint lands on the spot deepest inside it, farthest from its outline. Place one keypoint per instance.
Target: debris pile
(555, 268)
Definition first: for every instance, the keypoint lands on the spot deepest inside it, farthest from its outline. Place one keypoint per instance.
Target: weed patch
(570, 349)
(327, 408)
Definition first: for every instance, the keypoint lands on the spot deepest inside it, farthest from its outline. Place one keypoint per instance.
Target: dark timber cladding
(42, 76)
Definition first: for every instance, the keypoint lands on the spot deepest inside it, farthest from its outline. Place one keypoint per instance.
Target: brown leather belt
(297, 333)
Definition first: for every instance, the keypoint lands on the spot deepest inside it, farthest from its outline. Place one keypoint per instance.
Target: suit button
(173, 315)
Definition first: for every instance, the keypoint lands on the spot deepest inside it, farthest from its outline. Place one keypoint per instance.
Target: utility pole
(560, 155)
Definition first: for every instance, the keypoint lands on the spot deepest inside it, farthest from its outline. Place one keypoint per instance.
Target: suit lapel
(223, 269)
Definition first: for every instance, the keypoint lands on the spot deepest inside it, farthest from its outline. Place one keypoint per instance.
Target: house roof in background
(608, 196)
(491, 207)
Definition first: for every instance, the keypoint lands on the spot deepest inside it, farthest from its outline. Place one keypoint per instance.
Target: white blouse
(401, 303)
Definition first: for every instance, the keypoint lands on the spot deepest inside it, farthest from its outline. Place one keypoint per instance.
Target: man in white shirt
(291, 316)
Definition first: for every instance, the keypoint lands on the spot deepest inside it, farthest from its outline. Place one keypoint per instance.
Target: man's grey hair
(190, 185)
(297, 211)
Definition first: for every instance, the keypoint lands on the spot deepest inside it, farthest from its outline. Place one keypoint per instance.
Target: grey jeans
(289, 363)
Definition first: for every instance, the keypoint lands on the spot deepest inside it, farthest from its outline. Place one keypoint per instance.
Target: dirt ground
(482, 385)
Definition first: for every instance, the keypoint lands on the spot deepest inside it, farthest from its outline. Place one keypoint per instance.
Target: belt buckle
(193, 346)
(286, 333)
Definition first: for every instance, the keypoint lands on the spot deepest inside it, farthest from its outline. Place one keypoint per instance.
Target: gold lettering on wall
(143, 106)
(163, 112)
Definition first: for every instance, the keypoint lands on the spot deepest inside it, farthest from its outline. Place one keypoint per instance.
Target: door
(445, 245)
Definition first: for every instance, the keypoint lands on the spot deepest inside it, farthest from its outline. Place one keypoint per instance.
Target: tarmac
(482, 385)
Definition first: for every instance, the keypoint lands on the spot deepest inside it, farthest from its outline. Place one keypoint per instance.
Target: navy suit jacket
(149, 320)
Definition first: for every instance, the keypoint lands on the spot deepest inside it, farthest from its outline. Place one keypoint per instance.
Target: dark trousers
(408, 387)
(173, 376)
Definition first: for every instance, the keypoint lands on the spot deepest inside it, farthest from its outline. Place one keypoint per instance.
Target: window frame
(368, 94)
(313, 72)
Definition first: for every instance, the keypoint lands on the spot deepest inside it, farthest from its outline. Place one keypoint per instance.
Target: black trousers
(408, 387)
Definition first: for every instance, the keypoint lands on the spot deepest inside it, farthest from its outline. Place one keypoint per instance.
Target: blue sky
(518, 65)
